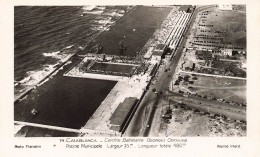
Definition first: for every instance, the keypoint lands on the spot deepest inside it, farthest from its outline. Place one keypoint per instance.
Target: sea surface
(44, 37)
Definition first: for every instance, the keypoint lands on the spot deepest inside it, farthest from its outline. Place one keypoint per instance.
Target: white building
(148, 53)
(227, 52)
(225, 6)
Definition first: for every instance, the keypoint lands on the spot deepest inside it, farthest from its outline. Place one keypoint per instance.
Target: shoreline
(70, 56)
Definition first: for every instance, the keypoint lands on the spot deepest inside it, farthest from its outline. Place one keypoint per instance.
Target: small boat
(34, 111)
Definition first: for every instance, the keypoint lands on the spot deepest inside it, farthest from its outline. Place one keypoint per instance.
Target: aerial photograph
(130, 71)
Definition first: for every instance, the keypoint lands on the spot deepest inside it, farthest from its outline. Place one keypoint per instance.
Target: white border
(196, 146)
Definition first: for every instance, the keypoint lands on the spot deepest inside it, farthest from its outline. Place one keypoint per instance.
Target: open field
(134, 29)
(190, 123)
(228, 89)
(232, 90)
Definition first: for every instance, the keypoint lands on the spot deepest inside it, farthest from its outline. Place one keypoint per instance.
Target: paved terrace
(126, 87)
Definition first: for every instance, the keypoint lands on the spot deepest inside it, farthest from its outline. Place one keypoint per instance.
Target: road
(141, 124)
(211, 75)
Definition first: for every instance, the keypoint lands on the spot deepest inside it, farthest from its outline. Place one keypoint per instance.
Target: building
(225, 7)
(118, 120)
(190, 66)
(186, 8)
(148, 53)
(161, 48)
(159, 51)
(227, 52)
(243, 65)
(203, 54)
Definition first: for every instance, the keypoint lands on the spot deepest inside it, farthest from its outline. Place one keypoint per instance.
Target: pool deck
(126, 87)
(79, 74)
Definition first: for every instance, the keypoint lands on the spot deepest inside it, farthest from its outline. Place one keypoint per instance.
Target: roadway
(142, 122)
(212, 75)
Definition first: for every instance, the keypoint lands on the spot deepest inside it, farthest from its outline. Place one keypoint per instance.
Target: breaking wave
(26, 79)
(97, 10)
(36, 76)
(52, 54)
(105, 21)
(60, 55)
(89, 7)
(68, 47)
(114, 13)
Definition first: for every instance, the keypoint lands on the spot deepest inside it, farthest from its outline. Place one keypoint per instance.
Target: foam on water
(52, 54)
(68, 47)
(105, 21)
(26, 79)
(100, 28)
(81, 48)
(97, 10)
(107, 29)
(36, 76)
(114, 13)
(89, 7)
(121, 11)
(60, 55)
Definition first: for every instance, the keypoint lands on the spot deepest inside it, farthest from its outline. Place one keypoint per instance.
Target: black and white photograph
(130, 71)
(129, 78)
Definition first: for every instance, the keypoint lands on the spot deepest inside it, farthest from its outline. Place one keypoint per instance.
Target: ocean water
(46, 35)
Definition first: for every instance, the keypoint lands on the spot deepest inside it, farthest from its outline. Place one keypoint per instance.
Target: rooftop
(122, 111)
(204, 53)
(160, 47)
(149, 53)
(184, 7)
(157, 53)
